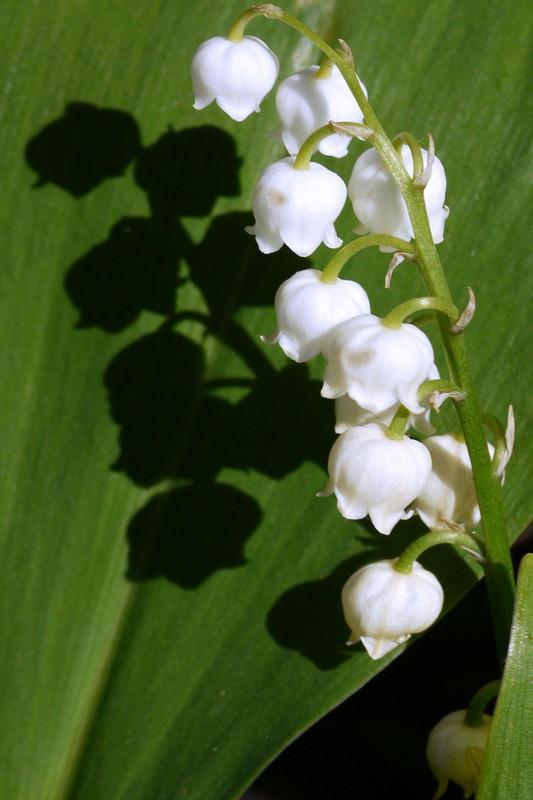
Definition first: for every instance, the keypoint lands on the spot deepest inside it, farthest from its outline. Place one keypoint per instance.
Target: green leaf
(507, 760)
(169, 602)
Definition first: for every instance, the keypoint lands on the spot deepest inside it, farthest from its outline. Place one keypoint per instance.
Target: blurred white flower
(306, 102)
(372, 474)
(297, 207)
(383, 607)
(377, 366)
(455, 751)
(307, 309)
(449, 497)
(379, 205)
(237, 75)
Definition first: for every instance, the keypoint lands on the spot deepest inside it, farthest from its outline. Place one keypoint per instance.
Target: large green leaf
(170, 613)
(508, 758)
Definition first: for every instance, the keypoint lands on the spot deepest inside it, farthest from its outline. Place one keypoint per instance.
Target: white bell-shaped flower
(307, 309)
(449, 497)
(237, 75)
(306, 102)
(379, 205)
(377, 366)
(455, 751)
(297, 207)
(383, 607)
(372, 474)
(348, 413)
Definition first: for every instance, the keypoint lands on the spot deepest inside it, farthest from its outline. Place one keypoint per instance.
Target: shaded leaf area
(182, 174)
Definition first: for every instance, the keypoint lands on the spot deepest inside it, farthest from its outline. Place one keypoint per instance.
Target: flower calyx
(373, 474)
(235, 73)
(383, 607)
(307, 309)
(296, 207)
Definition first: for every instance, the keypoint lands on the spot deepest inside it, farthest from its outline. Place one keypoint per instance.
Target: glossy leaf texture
(507, 768)
(170, 592)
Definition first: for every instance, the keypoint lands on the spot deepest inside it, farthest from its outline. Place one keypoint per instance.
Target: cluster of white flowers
(374, 367)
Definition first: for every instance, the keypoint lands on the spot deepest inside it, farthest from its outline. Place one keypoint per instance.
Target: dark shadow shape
(135, 269)
(231, 272)
(184, 172)
(281, 423)
(83, 147)
(187, 534)
(155, 388)
(308, 618)
(172, 425)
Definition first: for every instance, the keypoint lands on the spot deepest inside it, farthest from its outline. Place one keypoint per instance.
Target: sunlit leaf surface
(170, 582)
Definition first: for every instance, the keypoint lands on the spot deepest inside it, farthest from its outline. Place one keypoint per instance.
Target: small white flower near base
(372, 474)
(297, 207)
(237, 75)
(383, 607)
(306, 103)
(378, 203)
(449, 498)
(455, 751)
(377, 366)
(307, 309)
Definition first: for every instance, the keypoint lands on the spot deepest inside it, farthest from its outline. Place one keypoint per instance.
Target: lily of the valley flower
(449, 497)
(348, 413)
(383, 607)
(372, 474)
(455, 751)
(296, 207)
(379, 205)
(306, 101)
(307, 309)
(377, 366)
(237, 75)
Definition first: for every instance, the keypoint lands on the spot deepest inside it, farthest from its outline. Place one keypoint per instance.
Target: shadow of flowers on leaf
(177, 422)
(83, 148)
(187, 534)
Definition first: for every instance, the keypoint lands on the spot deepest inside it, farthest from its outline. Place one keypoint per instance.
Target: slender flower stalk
(498, 565)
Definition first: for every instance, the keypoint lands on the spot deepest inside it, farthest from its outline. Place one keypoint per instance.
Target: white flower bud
(369, 473)
(237, 75)
(307, 309)
(455, 751)
(383, 607)
(306, 102)
(379, 205)
(449, 495)
(297, 207)
(377, 366)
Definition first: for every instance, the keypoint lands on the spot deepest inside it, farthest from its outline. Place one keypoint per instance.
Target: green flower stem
(237, 29)
(414, 147)
(333, 267)
(324, 70)
(476, 707)
(396, 429)
(437, 385)
(309, 146)
(415, 549)
(500, 443)
(498, 566)
(395, 318)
